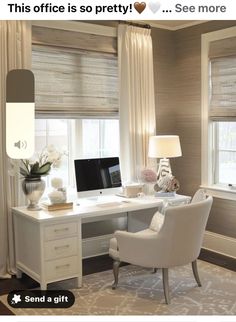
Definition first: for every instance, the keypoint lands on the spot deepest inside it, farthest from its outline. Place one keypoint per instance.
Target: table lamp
(164, 147)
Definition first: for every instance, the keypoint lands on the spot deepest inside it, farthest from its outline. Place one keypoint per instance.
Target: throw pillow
(157, 222)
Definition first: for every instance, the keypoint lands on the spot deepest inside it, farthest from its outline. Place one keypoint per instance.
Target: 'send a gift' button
(41, 299)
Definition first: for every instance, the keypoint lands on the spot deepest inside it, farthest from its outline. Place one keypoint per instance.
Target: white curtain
(15, 53)
(137, 102)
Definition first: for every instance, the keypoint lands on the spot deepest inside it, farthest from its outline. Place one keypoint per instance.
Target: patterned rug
(140, 293)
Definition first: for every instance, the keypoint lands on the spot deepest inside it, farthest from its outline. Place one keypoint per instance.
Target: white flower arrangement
(32, 168)
(52, 155)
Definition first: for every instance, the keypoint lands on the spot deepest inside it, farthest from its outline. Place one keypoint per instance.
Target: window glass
(100, 138)
(226, 152)
(76, 139)
(110, 137)
(90, 139)
(56, 133)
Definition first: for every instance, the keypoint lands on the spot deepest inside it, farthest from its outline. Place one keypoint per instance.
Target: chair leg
(116, 265)
(165, 280)
(195, 273)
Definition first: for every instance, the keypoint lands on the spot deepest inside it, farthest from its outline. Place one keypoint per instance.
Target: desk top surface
(93, 208)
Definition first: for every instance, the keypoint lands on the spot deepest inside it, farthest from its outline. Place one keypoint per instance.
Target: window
(76, 92)
(219, 110)
(85, 138)
(222, 91)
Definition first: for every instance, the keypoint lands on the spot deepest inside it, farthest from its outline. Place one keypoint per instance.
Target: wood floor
(99, 264)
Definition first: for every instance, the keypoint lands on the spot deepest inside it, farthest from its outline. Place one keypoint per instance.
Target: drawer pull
(61, 247)
(62, 229)
(62, 266)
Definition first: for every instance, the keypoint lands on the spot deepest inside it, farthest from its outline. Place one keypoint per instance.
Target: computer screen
(95, 174)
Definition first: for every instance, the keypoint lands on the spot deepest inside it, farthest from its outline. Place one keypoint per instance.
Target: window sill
(221, 192)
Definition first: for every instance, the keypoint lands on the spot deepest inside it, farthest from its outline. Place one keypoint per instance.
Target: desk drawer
(61, 268)
(60, 248)
(60, 231)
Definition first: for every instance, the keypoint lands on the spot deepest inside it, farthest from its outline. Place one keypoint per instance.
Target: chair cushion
(157, 222)
(114, 249)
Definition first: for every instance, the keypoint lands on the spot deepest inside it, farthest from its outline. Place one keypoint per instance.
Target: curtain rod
(135, 24)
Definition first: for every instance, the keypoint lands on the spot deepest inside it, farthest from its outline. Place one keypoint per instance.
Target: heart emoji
(154, 6)
(140, 6)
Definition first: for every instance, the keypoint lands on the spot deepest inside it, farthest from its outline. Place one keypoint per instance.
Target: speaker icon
(21, 144)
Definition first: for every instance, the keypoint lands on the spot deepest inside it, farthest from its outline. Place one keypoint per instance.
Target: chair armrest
(137, 249)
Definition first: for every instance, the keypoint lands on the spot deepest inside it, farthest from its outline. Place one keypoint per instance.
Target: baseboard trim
(220, 244)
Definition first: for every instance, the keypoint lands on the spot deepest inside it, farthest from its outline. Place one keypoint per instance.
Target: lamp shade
(164, 146)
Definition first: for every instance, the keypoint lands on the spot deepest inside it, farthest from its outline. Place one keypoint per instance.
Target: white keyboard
(110, 204)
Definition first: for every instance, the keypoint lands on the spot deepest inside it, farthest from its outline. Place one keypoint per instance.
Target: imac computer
(97, 177)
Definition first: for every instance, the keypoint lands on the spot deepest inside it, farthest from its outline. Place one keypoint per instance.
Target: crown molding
(184, 25)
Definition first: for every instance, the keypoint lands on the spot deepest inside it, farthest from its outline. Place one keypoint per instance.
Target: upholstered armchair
(175, 241)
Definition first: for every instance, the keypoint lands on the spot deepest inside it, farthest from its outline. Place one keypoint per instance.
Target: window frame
(208, 131)
(217, 151)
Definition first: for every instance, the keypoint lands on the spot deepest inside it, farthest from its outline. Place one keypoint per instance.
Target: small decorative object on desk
(149, 178)
(58, 195)
(132, 190)
(56, 206)
(168, 185)
(32, 171)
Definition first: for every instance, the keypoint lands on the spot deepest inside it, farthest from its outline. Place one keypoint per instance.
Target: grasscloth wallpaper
(177, 63)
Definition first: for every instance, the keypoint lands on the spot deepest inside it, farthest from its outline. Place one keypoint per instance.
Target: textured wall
(178, 103)
(164, 64)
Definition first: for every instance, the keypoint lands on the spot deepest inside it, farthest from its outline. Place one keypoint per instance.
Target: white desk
(49, 244)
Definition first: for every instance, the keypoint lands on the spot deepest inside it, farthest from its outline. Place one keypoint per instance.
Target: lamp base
(164, 194)
(164, 168)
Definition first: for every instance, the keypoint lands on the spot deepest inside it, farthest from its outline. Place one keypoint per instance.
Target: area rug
(140, 293)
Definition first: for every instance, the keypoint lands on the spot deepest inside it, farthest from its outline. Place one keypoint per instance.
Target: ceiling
(173, 24)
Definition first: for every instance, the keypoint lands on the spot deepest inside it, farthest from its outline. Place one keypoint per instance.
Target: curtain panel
(15, 53)
(137, 102)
